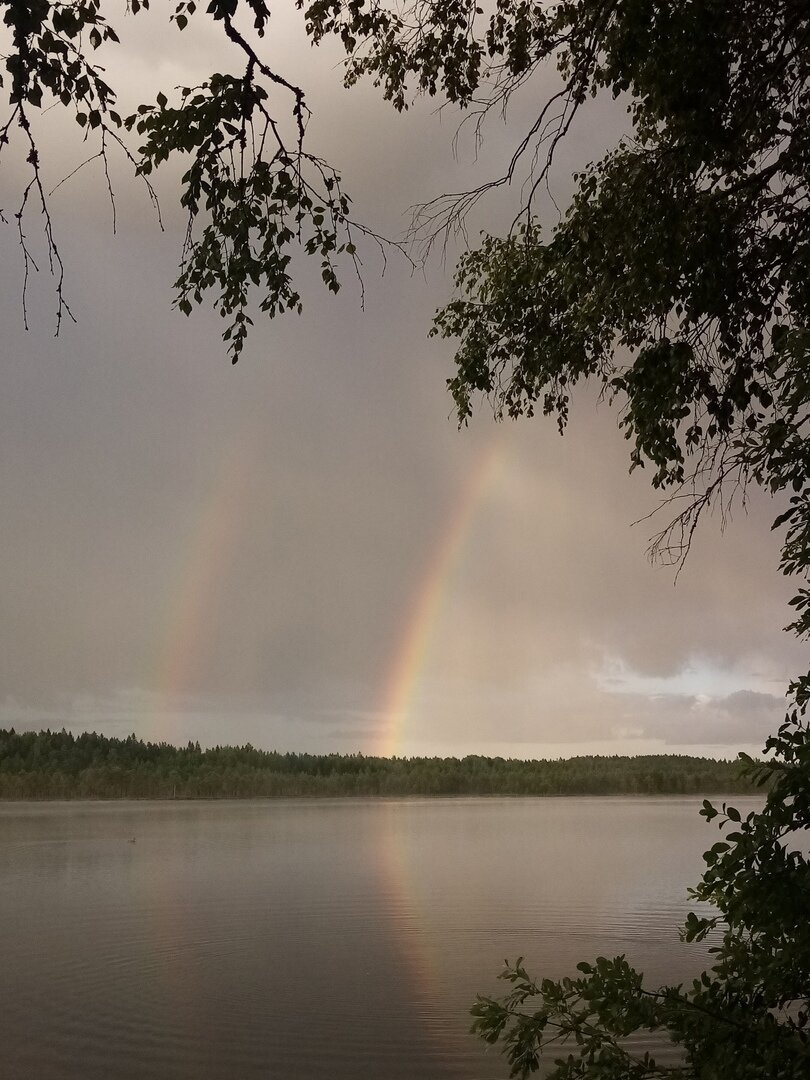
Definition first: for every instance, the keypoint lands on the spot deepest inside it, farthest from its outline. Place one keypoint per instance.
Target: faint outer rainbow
(411, 650)
(191, 612)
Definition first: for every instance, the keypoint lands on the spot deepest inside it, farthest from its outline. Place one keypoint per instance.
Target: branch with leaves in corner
(746, 1018)
(253, 192)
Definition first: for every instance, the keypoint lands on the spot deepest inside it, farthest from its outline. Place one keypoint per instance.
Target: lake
(330, 939)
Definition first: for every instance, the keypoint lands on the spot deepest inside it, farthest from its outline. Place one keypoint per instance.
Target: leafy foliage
(257, 203)
(745, 1018)
(253, 192)
(678, 278)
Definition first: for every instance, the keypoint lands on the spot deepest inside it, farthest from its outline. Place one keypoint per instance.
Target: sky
(303, 551)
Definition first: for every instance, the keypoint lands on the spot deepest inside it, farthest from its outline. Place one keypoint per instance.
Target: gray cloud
(741, 719)
(249, 547)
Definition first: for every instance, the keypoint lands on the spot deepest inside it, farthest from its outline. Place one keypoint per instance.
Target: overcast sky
(303, 551)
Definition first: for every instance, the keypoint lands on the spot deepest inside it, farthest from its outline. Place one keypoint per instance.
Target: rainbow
(412, 929)
(187, 630)
(188, 613)
(409, 655)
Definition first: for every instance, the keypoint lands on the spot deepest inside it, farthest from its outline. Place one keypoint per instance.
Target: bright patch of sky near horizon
(228, 554)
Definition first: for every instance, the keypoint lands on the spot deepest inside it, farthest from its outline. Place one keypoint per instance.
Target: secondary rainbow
(191, 613)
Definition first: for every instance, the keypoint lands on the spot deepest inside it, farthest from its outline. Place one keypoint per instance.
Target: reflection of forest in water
(311, 938)
(60, 765)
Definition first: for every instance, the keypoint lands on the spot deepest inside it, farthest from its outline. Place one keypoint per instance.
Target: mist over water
(318, 938)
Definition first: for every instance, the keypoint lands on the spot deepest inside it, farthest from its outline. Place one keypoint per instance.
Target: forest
(61, 765)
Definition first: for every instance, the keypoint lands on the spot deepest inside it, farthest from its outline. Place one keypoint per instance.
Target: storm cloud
(192, 550)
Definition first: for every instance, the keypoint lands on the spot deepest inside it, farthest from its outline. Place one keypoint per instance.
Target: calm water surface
(335, 940)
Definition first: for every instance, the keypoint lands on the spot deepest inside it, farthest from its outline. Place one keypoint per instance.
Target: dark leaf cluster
(254, 194)
(748, 1016)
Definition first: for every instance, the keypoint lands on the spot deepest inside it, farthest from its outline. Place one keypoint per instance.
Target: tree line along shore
(61, 765)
